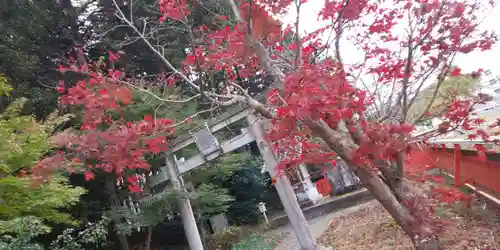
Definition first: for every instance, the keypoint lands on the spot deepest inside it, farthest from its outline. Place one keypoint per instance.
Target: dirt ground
(373, 228)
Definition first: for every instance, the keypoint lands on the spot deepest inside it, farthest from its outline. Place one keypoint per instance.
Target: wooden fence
(475, 168)
(478, 167)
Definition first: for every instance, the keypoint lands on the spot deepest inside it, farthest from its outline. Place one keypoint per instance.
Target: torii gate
(210, 149)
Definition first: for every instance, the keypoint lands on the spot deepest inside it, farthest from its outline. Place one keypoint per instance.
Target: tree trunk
(390, 194)
(123, 241)
(389, 176)
(399, 174)
(147, 242)
(201, 226)
(115, 203)
(345, 148)
(421, 236)
(149, 229)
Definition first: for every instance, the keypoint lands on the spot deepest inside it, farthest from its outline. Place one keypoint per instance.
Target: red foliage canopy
(106, 141)
(317, 87)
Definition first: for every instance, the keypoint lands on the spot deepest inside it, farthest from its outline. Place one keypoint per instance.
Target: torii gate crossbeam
(254, 132)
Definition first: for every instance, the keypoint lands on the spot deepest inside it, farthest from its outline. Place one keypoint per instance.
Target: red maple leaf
(89, 175)
(456, 71)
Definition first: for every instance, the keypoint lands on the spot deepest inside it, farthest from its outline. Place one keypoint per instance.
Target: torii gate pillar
(283, 186)
(187, 215)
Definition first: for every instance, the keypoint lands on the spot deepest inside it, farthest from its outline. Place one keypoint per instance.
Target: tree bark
(201, 226)
(147, 242)
(390, 194)
(420, 234)
(421, 237)
(389, 176)
(115, 202)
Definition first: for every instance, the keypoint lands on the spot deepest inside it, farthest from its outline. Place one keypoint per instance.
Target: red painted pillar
(457, 156)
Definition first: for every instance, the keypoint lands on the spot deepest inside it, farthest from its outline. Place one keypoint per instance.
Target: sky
(468, 63)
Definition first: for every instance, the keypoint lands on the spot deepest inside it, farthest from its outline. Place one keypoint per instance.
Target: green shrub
(226, 239)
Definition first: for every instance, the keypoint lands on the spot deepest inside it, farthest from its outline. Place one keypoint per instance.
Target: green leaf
(5, 87)
(24, 142)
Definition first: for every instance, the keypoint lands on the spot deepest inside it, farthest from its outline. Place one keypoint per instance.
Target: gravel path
(317, 225)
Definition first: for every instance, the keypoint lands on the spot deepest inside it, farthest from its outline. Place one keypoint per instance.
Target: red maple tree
(316, 94)
(106, 141)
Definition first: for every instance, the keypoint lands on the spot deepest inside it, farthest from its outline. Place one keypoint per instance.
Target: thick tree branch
(298, 47)
(345, 148)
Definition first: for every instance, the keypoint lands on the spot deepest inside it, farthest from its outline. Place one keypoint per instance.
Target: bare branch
(122, 17)
(260, 50)
(298, 50)
(191, 117)
(103, 34)
(426, 76)
(211, 96)
(193, 48)
(407, 70)
(441, 79)
(157, 97)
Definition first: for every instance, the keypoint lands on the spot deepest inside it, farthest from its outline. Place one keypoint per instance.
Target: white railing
(456, 141)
